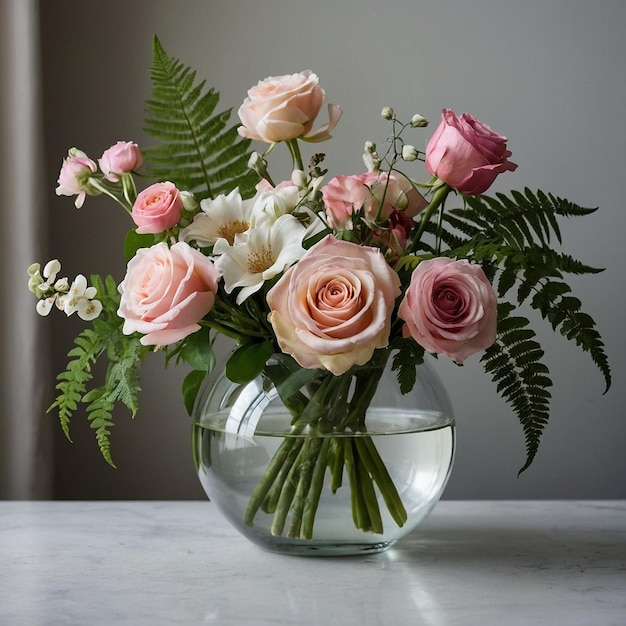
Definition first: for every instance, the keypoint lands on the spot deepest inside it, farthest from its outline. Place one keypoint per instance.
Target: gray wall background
(549, 74)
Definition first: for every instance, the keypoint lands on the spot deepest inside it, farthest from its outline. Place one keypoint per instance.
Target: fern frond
(99, 413)
(199, 152)
(72, 382)
(522, 379)
(563, 311)
(409, 355)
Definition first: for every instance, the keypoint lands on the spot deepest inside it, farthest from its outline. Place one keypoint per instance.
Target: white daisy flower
(221, 218)
(261, 254)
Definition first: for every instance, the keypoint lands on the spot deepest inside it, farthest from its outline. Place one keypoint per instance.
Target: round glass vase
(303, 462)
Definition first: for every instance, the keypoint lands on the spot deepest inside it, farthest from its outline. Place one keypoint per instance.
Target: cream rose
(280, 108)
(333, 308)
(450, 308)
(166, 292)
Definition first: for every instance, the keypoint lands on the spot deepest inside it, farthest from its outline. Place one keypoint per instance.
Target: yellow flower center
(260, 260)
(230, 229)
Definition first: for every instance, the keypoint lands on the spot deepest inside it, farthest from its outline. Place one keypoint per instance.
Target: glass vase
(304, 462)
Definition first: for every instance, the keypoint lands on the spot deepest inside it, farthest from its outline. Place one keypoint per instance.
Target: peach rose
(121, 158)
(333, 308)
(467, 154)
(280, 108)
(166, 292)
(450, 308)
(157, 208)
(378, 194)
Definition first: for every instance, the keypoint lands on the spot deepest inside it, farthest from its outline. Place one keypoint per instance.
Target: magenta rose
(280, 108)
(157, 208)
(467, 154)
(333, 308)
(121, 158)
(74, 176)
(376, 193)
(166, 292)
(450, 308)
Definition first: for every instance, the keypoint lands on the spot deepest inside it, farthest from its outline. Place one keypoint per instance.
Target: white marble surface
(136, 563)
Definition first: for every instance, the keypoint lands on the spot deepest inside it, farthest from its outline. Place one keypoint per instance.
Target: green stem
(441, 193)
(376, 468)
(296, 156)
(315, 490)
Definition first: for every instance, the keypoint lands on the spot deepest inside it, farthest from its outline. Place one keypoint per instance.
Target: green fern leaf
(408, 356)
(522, 379)
(199, 151)
(72, 382)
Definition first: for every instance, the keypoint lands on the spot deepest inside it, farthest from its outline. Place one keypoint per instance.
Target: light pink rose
(378, 194)
(333, 308)
(450, 308)
(74, 176)
(157, 208)
(121, 158)
(165, 292)
(467, 154)
(280, 108)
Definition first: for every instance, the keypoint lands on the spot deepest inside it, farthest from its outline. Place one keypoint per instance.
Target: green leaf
(197, 351)
(191, 386)
(247, 362)
(134, 241)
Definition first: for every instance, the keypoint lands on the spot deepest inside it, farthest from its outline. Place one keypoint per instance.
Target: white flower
(409, 152)
(88, 309)
(51, 269)
(45, 304)
(270, 203)
(418, 121)
(221, 218)
(260, 255)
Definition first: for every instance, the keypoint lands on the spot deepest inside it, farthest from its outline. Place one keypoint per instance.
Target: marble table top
(152, 563)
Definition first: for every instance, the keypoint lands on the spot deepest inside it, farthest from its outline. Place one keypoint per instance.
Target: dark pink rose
(166, 292)
(467, 154)
(450, 308)
(157, 208)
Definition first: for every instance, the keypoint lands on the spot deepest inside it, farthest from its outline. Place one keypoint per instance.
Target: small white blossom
(58, 292)
(409, 152)
(45, 305)
(88, 309)
(189, 201)
(387, 113)
(419, 121)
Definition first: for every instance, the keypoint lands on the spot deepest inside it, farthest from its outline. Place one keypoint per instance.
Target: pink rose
(157, 208)
(74, 176)
(466, 153)
(344, 195)
(165, 292)
(280, 108)
(333, 308)
(450, 308)
(121, 158)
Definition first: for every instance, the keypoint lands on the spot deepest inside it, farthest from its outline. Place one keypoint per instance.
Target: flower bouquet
(321, 281)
